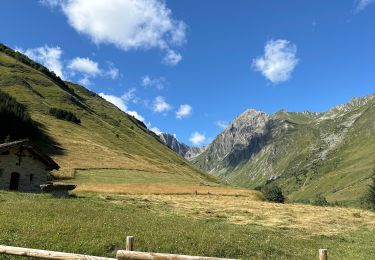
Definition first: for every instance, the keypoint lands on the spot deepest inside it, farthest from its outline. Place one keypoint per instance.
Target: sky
(189, 67)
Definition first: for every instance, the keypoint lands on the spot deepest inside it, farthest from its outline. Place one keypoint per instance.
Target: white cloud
(184, 110)
(121, 103)
(156, 130)
(222, 124)
(172, 58)
(85, 81)
(85, 66)
(197, 139)
(362, 4)
(130, 96)
(127, 24)
(112, 71)
(48, 56)
(50, 3)
(136, 115)
(278, 62)
(160, 105)
(158, 83)
(117, 101)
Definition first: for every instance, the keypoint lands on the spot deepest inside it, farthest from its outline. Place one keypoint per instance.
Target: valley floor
(236, 224)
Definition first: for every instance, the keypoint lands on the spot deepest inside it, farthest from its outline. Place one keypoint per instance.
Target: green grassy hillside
(105, 137)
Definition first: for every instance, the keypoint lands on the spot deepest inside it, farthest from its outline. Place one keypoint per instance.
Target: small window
(5, 153)
(1, 173)
(31, 177)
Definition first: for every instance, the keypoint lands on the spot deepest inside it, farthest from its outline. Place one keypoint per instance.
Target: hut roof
(26, 144)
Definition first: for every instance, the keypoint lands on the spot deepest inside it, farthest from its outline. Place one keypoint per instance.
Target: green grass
(90, 225)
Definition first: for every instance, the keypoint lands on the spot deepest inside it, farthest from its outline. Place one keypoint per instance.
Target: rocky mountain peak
(179, 147)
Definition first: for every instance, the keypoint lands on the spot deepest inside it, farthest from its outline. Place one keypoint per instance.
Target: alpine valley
(307, 154)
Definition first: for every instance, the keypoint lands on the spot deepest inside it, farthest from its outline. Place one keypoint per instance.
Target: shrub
(319, 201)
(369, 199)
(64, 115)
(273, 193)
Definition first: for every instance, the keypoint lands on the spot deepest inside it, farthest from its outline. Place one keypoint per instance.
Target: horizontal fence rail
(127, 254)
(133, 255)
(43, 254)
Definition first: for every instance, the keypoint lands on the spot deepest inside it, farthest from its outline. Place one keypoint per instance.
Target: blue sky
(188, 67)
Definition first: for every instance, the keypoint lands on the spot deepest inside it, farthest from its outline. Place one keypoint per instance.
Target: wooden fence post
(323, 254)
(129, 243)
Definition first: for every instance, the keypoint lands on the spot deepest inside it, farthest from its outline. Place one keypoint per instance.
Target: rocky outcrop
(179, 147)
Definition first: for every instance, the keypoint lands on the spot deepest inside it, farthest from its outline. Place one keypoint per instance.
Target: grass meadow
(216, 221)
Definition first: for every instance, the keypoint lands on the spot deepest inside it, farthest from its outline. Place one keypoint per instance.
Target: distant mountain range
(308, 154)
(182, 149)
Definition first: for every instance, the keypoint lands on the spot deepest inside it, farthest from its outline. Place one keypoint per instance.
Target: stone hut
(23, 167)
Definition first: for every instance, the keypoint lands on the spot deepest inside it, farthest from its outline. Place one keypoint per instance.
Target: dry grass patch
(249, 209)
(173, 189)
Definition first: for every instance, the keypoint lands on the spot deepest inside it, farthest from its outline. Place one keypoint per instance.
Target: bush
(319, 201)
(369, 199)
(273, 193)
(64, 115)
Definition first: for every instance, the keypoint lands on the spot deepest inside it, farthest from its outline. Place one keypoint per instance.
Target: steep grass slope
(327, 154)
(106, 136)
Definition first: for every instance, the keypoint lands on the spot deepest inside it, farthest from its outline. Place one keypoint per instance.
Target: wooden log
(43, 254)
(133, 255)
(323, 254)
(129, 243)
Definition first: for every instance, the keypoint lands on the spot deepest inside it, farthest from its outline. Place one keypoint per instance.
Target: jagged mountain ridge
(182, 149)
(307, 153)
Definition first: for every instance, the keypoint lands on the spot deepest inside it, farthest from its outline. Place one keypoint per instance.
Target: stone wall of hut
(32, 172)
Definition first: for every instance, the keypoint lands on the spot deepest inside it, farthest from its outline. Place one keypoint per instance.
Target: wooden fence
(127, 254)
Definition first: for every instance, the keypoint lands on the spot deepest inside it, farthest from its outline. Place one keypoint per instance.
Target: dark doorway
(14, 181)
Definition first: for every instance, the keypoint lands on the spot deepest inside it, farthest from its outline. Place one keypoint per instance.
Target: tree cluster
(370, 196)
(64, 115)
(273, 193)
(15, 121)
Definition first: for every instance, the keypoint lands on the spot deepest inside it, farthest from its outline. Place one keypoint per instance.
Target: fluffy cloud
(158, 83)
(362, 4)
(184, 111)
(222, 124)
(90, 69)
(156, 130)
(136, 115)
(85, 66)
(160, 105)
(112, 71)
(172, 58)
(121, 103)
(278, 62)
(48, 56)
(197, 139)
(117, 101)
(127, 24)
(87, 69)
